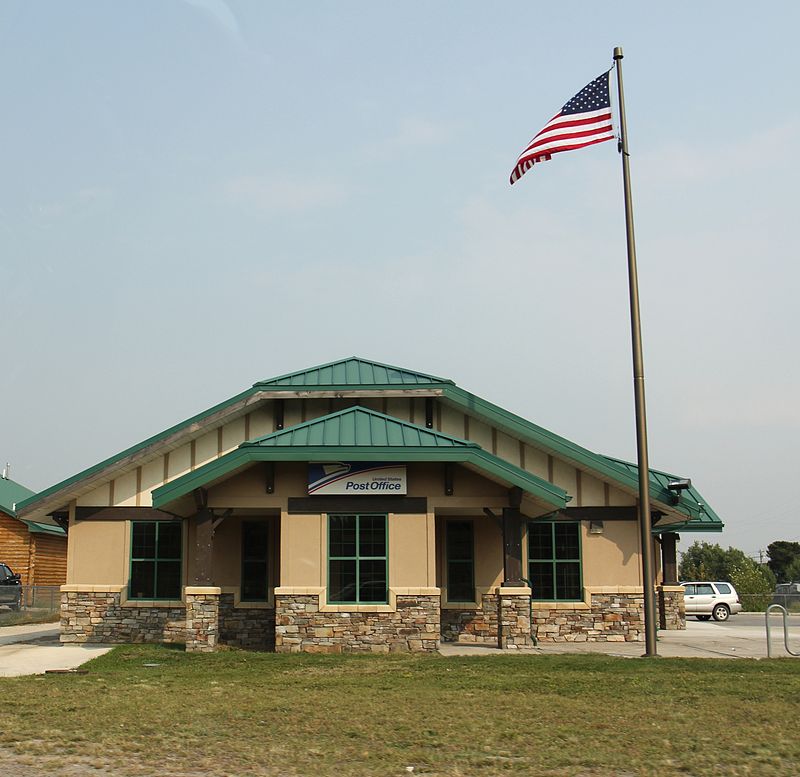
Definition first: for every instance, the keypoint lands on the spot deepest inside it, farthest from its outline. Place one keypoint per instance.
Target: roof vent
(5, 471)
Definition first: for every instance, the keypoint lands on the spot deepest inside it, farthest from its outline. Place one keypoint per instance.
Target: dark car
(10, 588)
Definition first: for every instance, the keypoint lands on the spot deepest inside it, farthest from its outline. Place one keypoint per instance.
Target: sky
(199, 194)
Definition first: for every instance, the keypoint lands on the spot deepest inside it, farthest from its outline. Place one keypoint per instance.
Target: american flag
(583, 121)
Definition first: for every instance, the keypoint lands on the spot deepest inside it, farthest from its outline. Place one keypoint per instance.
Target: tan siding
(152, 477)
(179, 462)
(617, 498)
(564, 477)
(233, 434)
(205, 448)
(292, 412)
(536, 462)
(593, 493)
(452, 422)
(262, 421)
(399, 408)
(508, 448)
(480, 433)
(100, 497)
(125, 489)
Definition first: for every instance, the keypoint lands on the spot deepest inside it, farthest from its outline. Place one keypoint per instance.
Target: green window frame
(555, 568)
(358, 558)
(460, 560)
(255, 562)
(156, 568)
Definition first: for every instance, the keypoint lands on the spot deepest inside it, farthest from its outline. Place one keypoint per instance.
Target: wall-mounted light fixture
(596, 527)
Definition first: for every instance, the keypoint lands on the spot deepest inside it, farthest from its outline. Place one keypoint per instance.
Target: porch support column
(671, 608)
(204, 540)
(514, 595)
(512, 541)
(669, 557)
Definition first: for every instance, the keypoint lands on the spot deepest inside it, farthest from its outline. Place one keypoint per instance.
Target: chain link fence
(30, 604)
(760, 602)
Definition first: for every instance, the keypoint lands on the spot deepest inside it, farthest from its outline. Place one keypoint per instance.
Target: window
(156, 560)
(357, 559)
(255, 569)
(459, 547)
(554, 561)
(723, 588)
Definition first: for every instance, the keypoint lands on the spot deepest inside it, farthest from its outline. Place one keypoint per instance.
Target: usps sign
(356, 479)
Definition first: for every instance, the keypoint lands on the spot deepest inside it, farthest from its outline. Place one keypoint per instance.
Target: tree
(784, 560)
(753, 582)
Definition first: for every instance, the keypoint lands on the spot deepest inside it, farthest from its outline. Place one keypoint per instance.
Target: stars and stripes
(583, 121)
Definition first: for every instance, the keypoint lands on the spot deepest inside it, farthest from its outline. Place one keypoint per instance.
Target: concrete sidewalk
(35, 648)
(745, 638)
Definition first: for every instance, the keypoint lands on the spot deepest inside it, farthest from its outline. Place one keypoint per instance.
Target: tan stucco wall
(97, 553)
(611, 558)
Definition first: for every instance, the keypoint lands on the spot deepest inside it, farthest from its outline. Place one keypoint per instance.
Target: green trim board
(365, 435)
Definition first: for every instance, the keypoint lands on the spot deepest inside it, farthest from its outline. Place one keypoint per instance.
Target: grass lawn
(242, 713)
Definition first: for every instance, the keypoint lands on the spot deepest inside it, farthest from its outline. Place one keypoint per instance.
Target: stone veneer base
(414, 626)
(92, 616)
(611, 617)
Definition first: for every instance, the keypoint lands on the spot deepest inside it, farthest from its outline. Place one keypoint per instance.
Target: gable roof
(701, 516)
(359, 427)
(351, 373)
(11, 493)
(363, 435)
(355, 376)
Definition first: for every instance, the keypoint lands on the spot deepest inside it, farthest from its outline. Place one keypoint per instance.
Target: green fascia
(245, 455)
(34, 527)
(134, 449)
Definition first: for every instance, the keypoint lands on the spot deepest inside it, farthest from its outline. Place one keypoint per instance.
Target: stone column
(514, 617)
(202, 618)
(672, 610)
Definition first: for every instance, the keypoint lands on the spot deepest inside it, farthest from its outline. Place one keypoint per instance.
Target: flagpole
(645, 525)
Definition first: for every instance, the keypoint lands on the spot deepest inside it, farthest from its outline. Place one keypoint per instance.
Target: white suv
(711, 600)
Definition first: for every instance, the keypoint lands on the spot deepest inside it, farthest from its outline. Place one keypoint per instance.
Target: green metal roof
(39, 527)
(352, 373)
(359, 434)
(356, 374)
(690, 503)
(359, 426)
(12, 493)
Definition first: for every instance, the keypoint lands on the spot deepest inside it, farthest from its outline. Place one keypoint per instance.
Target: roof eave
(241, 457)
